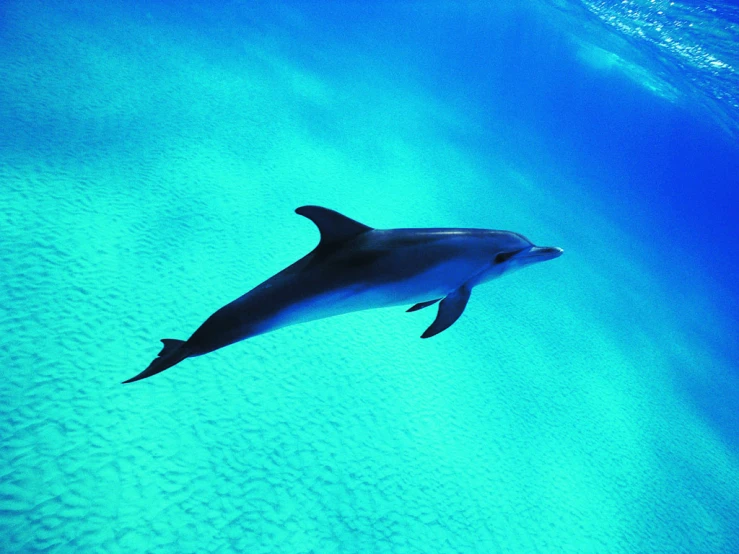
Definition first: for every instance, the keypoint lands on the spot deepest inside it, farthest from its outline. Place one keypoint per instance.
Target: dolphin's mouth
(543, 253)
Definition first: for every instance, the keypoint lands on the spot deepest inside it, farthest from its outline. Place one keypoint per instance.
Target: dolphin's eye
(504, 257)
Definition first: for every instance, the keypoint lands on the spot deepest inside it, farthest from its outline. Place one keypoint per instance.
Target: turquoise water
(151, 157)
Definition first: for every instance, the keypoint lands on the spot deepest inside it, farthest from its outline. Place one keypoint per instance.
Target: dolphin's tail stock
(174, 352)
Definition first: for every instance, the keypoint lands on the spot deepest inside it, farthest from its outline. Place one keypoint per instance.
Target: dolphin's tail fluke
(174, 352)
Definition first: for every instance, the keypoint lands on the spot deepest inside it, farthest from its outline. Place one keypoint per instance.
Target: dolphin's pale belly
(430, 285)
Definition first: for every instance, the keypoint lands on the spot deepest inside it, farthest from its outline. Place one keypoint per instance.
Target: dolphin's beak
(544, 253)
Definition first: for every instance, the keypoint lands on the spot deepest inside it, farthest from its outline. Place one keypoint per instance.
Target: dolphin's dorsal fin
(333, 226)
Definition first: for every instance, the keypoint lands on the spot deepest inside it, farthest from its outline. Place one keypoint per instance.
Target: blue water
(151, 157)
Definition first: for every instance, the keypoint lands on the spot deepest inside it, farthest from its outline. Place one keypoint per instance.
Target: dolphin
(355, 267)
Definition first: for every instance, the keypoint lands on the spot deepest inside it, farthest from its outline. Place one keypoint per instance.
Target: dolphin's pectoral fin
(422, 305)
(450, 308)
(333, 226)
